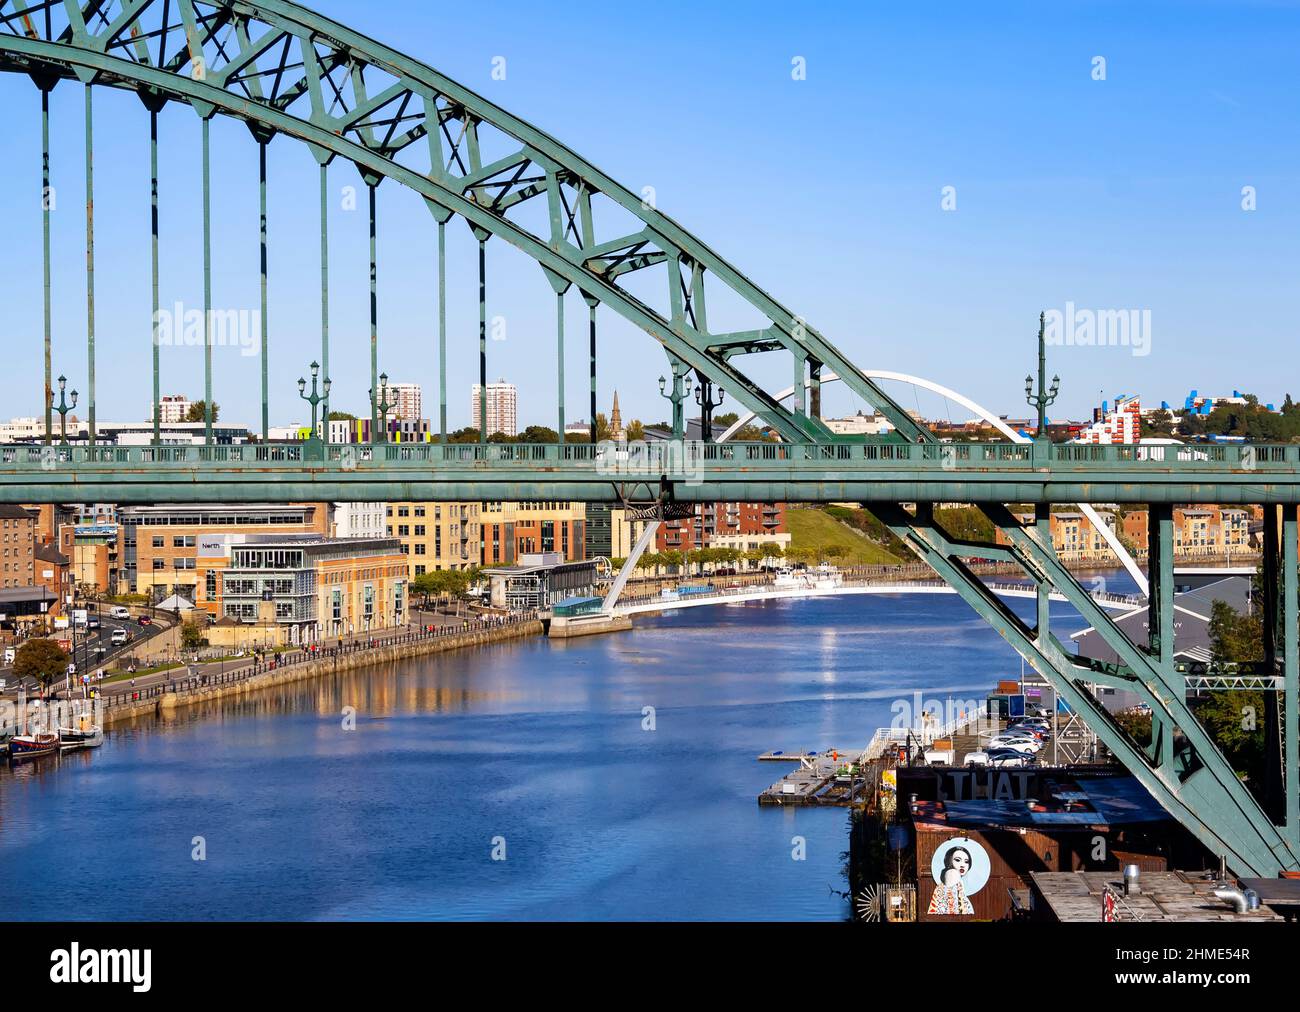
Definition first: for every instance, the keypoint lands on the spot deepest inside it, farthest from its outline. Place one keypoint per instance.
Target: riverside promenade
(168, 691)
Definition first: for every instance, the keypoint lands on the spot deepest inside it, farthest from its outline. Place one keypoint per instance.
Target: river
(522, 781)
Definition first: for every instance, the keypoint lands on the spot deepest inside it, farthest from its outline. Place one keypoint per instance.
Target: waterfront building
(511, 529)
(358, 520)
(1207, 530)
(713, 525)
(17, 546)
(54, 573)
(502, 405)
(742, 526)
(538, 580)
(160, 543)
(310, 587)
(436, 535)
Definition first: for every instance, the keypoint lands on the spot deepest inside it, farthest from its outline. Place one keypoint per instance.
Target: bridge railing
(669, 457)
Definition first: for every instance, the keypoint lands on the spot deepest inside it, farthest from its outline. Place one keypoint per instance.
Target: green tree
(197, 409)
(635, 430)
(41, 659)
(192, 637)
(1235, 637)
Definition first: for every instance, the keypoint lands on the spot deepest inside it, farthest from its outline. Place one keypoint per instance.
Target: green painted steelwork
(284, 69)
(90, 259)
(1183, 768)
(688, 472)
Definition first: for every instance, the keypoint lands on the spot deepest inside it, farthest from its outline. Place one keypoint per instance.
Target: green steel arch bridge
(286, 72)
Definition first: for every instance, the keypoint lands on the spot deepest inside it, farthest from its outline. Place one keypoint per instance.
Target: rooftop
(1164, 896)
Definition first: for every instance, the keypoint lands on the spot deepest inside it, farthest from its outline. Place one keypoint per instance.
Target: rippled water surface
(535, 748)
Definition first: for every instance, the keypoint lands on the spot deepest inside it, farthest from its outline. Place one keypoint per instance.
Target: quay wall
(171, 700)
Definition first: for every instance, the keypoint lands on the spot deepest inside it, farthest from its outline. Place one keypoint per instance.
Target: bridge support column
(1194, 783)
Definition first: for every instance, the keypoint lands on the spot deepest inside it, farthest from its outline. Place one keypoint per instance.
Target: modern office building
(502, 405)
(311, 587)
(436, 535)
(512, 529)
(537, 580)
(160, 543)
(358, 520)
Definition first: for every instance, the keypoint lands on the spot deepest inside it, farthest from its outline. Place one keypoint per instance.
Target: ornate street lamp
(704, 398)
(1044, 397)
(381, 409)
(314, 399)
(63, 407)
(681, 390)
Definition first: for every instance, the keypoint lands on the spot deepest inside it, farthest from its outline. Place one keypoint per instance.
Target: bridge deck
(771, 472)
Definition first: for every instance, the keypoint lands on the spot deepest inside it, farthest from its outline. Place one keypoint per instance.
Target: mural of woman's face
(959, 860)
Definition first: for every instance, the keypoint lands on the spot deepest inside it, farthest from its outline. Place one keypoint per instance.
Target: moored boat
(85, 735)
(29, 746)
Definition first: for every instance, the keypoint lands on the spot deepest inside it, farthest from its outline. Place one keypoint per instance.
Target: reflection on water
(534, 748)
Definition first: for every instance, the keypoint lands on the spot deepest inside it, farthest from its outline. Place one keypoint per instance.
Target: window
(210, 584)
(158, 541)
(420, 547)
(419, 530)
(419, 570)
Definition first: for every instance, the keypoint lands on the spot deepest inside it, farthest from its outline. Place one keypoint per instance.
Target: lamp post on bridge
(681, 390)
(704, 398)
(63, 407)
(314, 440)
(381, 408)
(1044, 397)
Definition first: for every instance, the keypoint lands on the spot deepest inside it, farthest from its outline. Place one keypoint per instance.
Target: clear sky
(1117, 194)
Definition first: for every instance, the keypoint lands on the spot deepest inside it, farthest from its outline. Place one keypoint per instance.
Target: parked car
(1001, 758)
(980, 758)
(1022, 745)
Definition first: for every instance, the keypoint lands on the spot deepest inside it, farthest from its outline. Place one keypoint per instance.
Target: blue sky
(1117, 194)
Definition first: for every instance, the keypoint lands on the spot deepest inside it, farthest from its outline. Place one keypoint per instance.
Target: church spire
(616, 421)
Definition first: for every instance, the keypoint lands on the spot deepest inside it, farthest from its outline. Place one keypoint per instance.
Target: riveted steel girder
(1194, 783)
(284, 69)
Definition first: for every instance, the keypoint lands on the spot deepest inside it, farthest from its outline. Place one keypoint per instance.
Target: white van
(119, 637)
(120, 611)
